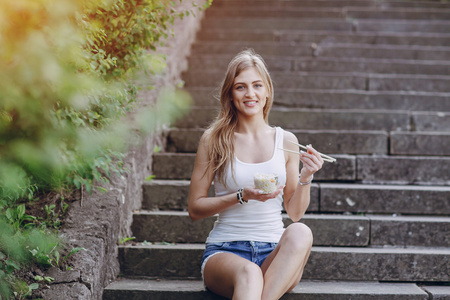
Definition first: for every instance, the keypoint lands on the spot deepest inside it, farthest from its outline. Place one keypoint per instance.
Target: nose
(250, 93)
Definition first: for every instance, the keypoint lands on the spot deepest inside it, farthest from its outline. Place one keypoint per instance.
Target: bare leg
(283, 268)
(232, 276)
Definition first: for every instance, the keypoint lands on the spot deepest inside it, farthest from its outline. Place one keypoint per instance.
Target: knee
(299, 236)
(250, 274)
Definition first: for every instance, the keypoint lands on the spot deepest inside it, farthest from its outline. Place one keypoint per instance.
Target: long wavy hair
(221, 132)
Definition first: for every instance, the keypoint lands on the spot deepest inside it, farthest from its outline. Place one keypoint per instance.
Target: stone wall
(98, 221)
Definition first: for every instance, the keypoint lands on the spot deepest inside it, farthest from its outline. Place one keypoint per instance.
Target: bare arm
(296, 196)
(199, 204)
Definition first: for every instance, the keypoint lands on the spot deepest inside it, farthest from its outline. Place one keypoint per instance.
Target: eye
(240, 87)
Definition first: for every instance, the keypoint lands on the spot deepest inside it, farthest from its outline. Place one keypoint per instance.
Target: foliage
(70, 71)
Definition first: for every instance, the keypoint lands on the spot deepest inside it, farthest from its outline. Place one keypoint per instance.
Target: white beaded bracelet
(306, 183)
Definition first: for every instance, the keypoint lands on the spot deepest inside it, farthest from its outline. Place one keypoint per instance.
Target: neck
(251, 125)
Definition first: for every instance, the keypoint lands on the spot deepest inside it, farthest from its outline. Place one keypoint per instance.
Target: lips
(250, 103)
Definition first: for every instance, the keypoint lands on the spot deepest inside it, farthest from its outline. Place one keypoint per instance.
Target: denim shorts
(255, 252)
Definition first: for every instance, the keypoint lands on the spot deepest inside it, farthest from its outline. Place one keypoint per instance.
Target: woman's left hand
(312, 162)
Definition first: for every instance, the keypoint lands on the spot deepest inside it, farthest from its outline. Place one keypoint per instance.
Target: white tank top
(255, 220)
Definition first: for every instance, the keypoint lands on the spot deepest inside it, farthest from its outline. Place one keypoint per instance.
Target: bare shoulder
(289, 137)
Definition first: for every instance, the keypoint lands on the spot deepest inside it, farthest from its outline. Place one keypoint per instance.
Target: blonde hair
(221, 132)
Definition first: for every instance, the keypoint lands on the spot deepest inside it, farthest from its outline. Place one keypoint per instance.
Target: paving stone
(173, 195)
(167, 194)
(386, 199)
(404, 170)
(379, 66)
(349, 4)
(280, 24)
(431, 121)
(290, 118)
(384, 264)
(438, 292)
(325, 263)
(420, 143)
(309, 290)
(180, 165)
(326, 37)
(339, 142)
(343, 99)
(425, 83)
(325, 64)
(276, 11)
(422, 26)
(323, 50)
(410, 231)
(177, 227)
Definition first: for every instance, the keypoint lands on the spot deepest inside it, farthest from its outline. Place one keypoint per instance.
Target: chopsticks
(324, 156)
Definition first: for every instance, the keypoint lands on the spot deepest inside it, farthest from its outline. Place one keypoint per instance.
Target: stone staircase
(366, 81)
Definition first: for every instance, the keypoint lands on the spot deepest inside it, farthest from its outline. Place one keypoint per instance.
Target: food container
(267, 183)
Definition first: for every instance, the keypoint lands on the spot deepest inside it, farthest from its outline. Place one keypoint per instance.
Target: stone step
(349, 25)
(324, 37)
(338, 142)
(334, 50)
(380, 169)
(344, 4)
(328, 230)
(299, 12)
(384, 199)
(342, 99)
(325, 263)
(335, 81)
(325, 64)
(417, 143)
(325, 198)
(316, 119)
(140, 289)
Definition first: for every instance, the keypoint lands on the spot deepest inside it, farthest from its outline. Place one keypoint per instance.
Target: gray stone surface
(325, 263)
(344, 142)
(317, 119)
(68, 291)
(438, 292)
(404, 170)
(431, 121)
(419, 143)
(386, 199)
(410, 231)
(371, 38)
(311, 290)
(268, 48)
(423, 83)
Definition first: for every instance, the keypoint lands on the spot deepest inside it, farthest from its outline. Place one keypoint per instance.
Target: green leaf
(34, 286)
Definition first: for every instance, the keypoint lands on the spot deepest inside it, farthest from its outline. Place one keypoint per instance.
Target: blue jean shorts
(256, 252)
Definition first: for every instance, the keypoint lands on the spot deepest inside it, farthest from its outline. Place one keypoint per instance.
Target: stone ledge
(140, 289)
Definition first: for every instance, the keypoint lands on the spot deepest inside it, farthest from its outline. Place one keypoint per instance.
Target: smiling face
(249, 93)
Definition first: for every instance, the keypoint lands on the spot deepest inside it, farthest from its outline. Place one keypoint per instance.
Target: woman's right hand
(251, 193)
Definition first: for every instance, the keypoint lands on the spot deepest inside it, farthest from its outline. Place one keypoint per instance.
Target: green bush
(70, 71)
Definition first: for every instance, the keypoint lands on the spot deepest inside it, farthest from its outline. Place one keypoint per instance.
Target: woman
(249, 255)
